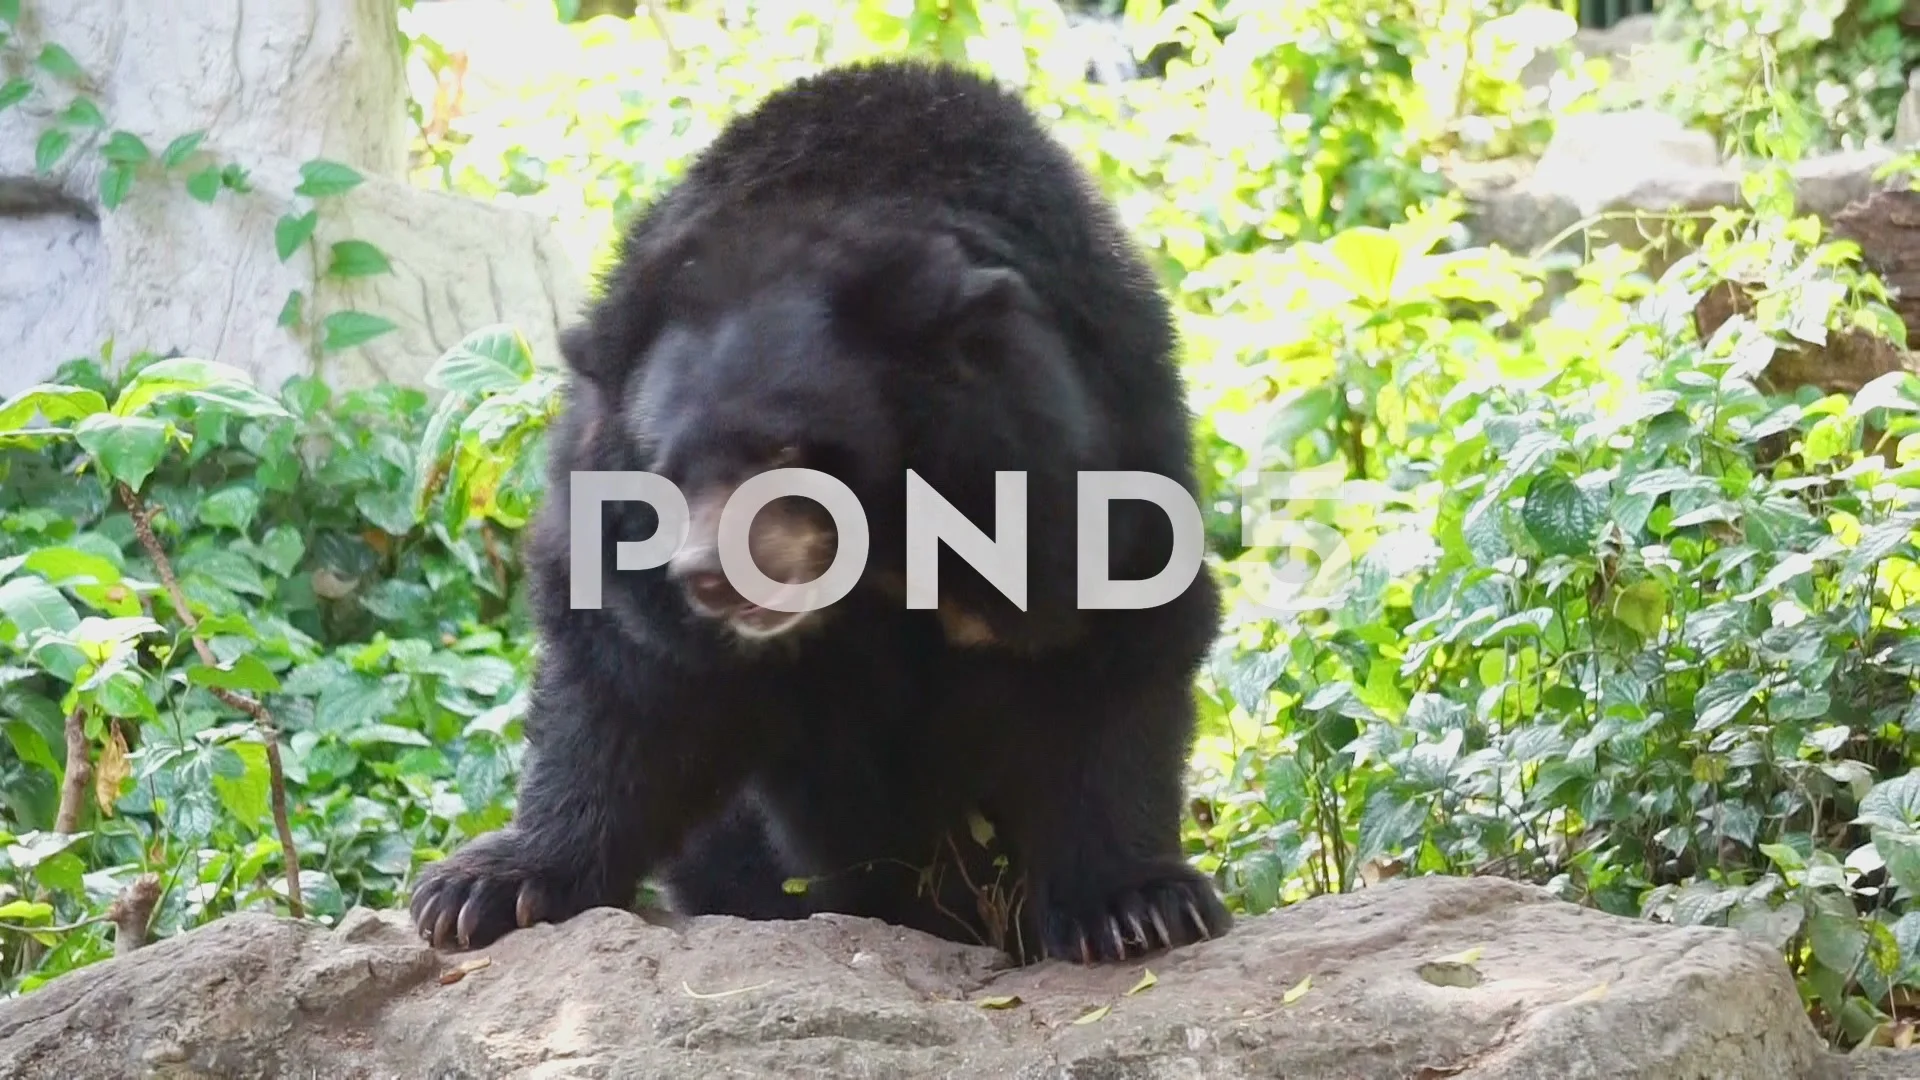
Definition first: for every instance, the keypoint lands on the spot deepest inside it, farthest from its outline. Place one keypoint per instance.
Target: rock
(1881, 1063)
(1622, 46)
(1636, 162)
(273, 84)
(1906, 121)
(1886, 225)
(1435, 977)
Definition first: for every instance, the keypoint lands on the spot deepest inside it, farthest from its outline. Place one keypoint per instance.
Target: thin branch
(657, 13)
(132, 913)
(262, 719)
(73, 793)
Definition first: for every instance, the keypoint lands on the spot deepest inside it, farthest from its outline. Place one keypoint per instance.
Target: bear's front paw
(491, 886)
(1164, 909)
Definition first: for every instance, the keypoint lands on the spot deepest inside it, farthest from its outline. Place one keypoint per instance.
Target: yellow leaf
(1006, 1002)
(1594, 994)
(1146, 981)
(1450, 973)
(980, 827)
(112, 771)
(1094, 1015)
(1299, 991)
(1467, 956)
(794, 886)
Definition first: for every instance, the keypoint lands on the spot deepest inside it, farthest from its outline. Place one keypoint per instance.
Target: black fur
(887, 266)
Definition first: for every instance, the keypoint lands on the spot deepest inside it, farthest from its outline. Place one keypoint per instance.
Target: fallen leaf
(691, 992)
(1594, 994)
(1299, 991)
(1094, 1015)
(1005, 1002)
(1146, 981)
(1467, 956)
(1450, 973)
(466, 968)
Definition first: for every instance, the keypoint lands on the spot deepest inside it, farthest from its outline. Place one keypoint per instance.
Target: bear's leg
(624, 756)
(1100, 828)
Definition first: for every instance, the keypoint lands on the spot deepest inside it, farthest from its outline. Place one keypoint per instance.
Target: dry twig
(262, 719)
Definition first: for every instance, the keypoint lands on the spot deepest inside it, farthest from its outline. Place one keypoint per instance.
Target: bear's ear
(919, 286)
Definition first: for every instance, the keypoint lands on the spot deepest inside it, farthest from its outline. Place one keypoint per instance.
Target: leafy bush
(377, 644)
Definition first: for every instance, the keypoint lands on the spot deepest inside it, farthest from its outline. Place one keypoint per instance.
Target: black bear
(889, 267)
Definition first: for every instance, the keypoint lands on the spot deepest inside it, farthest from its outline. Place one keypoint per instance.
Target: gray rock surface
(1428, 978)
(273, 83)
(1600, 170)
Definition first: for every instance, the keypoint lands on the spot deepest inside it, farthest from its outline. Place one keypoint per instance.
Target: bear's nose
(709, 591)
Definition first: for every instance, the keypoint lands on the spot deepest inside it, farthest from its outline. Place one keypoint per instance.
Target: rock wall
(273, 84)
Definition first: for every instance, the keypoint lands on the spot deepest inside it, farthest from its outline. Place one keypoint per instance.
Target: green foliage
(392, 654)
(1842, 61)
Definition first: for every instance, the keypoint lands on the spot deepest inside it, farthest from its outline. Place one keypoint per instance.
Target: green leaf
(204, 185)
(1364, 260)
(69, 565)
(33, 605)
(346, 329)
(59, 63)
(1559, 516)
(1838, 941)
(231, 507)
(281, 550)
(357, 702)
(291, 232)
(246, 673)
(22, 911)
(1642, 606)
(227, 568)
(10, 12)
(234, 178)
(125, 148)
(356, 259)
(386, 734)
(1722, 699)
(57, 404)
(127, 448)
(206, 380)
(290, 311)
(245, 795)
(1893, 803)
(82, 112)
(320, 178)
(1784, 856)
(391, 511)
(115, 182)
(492, 359)
(14, 91)
(30, 746)
(50, 149)
(1828, 439)
(182, 148)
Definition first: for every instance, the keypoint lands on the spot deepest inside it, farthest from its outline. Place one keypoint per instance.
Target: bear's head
(736, 348)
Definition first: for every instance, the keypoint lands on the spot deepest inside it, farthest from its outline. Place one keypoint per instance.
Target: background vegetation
(1623, 618)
